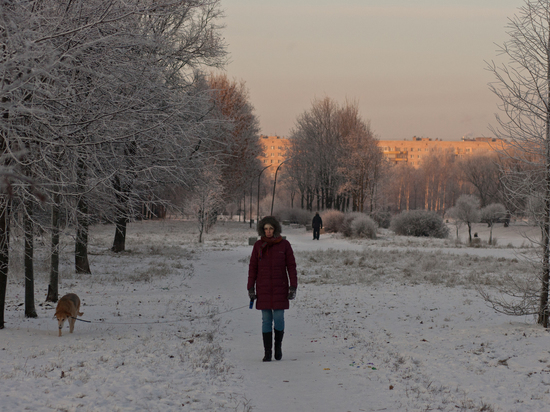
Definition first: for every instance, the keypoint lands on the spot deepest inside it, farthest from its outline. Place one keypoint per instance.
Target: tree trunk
(119, 243)
(320, 199)
(30, 310)
(373, 195)
(427, 194)
(543, 306)
(201, 223)
(244, 206)
(53, 287)
(399, 191)
(82, 224)
(4, 252)
(81, 244)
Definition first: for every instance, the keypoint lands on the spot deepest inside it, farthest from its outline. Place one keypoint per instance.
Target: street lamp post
(275, 183)
(259, 180)
(251, 220)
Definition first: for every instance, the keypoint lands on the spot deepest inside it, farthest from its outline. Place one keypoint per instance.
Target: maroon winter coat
(270, 272)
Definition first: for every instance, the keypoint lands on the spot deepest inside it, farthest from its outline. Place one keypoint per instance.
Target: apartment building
(415, 150)
(411, 151)
(274, 151)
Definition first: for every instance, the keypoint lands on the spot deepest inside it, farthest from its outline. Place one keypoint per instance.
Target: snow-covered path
(310, 377)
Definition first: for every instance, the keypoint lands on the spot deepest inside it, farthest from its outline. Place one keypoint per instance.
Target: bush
(332, 220)
(294, 215)
(382, 219)
(363, 226)
(346, 222)
(419, 223)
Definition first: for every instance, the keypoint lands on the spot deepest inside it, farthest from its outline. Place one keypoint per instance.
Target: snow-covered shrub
(294, 215)
(332, 220)
(363, 226)
(382, 218)
(346, 222)
(419, 223)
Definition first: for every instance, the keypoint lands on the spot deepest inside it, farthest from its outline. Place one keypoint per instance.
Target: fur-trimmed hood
(273, 222)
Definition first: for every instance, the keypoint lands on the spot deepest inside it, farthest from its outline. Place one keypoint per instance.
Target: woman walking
(272, 281)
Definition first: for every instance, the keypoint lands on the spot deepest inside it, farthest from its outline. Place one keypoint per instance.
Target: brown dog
(68, 307)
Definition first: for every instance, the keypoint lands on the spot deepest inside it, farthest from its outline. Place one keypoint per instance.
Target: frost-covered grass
(514, 237)
(407, 266)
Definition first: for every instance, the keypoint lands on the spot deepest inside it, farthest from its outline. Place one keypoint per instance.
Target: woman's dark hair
(271, 221)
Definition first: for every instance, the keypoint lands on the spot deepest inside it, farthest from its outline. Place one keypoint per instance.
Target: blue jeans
(273, 317)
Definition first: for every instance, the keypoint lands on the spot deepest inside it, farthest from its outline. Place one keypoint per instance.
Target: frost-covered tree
(361, 161)
(315, 153)
(491, 214)
(399, 187)
(522, 84)
(452, 212)
(99, 104)
(466, 211)
(26, 69)
(437, 177)
(482, 172)
(144, 95)
(334, 157)
(206, 199)
(238, 136)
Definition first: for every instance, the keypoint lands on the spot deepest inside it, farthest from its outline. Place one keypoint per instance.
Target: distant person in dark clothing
(317, 225)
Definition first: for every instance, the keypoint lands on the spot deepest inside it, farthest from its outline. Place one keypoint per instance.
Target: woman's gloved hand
(291, 293)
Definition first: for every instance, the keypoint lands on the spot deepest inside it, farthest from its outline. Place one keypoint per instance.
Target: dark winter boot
(268, 341)
(278, 343)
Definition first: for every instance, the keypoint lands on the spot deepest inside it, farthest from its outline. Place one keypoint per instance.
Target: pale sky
(415, 67)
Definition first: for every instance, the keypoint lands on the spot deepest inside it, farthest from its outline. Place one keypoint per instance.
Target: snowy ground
(392, 324)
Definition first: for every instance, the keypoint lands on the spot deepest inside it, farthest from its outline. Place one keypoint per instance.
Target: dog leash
(159, 322)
